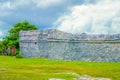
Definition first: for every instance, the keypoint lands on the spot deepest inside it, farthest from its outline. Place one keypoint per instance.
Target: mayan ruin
(57, 45)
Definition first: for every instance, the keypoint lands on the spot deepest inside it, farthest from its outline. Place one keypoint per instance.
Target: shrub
(17, 52)
(19, 56)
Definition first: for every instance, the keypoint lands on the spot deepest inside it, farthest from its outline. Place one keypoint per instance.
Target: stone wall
(72, 51)
(33, 49)
(57, 45)
(85, 51)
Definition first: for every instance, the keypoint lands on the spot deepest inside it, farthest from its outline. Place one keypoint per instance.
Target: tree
(13, 37)
(25, 26)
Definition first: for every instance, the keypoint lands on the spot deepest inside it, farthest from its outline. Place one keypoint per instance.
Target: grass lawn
(43, 69)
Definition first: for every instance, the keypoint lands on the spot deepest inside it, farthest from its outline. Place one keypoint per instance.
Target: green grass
(43, 69)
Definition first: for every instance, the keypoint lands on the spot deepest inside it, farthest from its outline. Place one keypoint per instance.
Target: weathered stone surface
(85, 77)
(56, 79)
(84, 51)
(80, 77)
(58, 45)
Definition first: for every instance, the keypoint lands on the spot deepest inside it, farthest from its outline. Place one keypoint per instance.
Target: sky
(73, 16)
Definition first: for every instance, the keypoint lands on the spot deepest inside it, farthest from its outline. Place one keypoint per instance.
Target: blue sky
(74, 16)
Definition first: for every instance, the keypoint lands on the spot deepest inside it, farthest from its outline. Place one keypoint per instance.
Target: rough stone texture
(58, 45)
(80, 77)
(84, 51)
(56, 79)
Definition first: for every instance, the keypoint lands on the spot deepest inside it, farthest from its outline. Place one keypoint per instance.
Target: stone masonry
(58, 45)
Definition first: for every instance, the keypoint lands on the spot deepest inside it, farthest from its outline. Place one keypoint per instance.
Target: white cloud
(23, 3)
(101, 17)
(5, 8)
(4, 27)
(0, 39)
(47, 3)
(1, 33)
(8, 7)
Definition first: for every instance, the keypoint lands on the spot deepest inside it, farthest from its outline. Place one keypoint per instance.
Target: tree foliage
(25, 26)
(13, 37)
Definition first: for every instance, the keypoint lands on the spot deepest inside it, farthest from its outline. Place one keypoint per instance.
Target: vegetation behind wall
(12, 39)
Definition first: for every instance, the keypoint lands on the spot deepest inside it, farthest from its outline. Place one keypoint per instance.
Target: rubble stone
(58, 45)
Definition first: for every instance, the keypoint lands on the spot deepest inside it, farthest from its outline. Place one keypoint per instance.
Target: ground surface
(43, 69)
